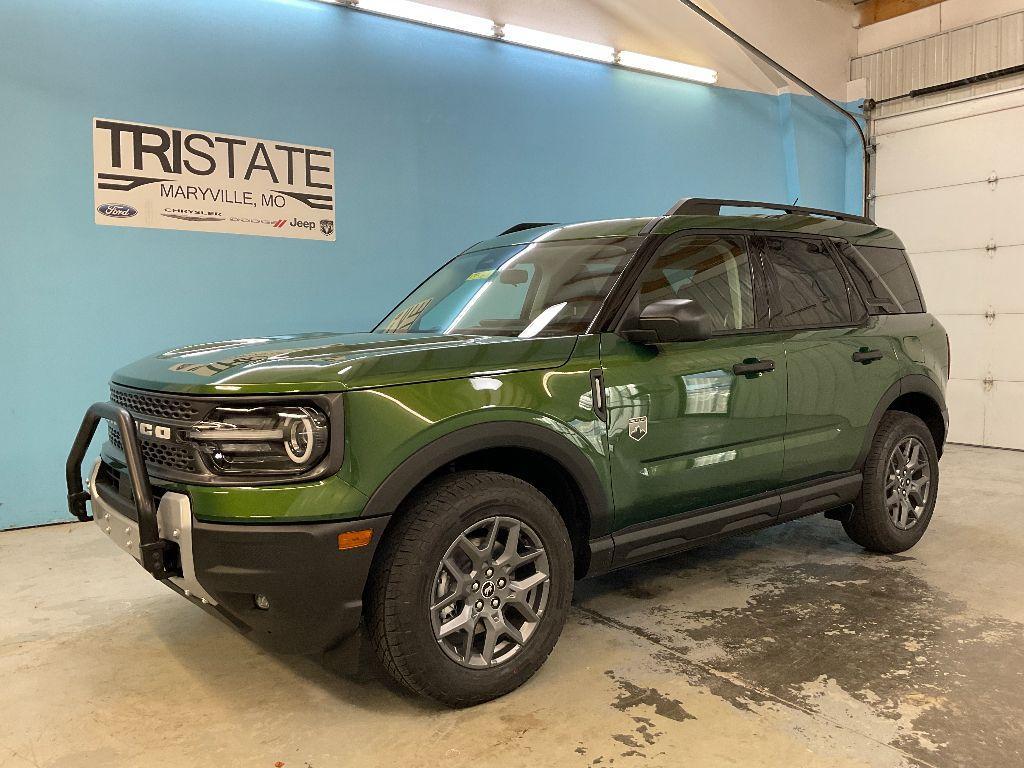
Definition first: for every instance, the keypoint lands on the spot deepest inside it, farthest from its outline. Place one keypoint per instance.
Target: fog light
(263, 602)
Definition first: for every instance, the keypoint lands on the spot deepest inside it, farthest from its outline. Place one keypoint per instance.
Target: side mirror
(668, 321)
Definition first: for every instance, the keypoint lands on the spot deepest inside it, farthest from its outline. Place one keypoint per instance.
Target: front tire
(471, 589)
(901, 482)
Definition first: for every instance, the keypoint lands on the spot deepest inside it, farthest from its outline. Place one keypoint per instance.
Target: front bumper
(174, 524)
(313, 588)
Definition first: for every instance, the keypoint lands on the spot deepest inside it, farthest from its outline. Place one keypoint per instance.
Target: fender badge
(638, 428)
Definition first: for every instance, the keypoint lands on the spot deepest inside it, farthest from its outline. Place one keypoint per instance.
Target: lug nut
(479, 605)
(501, 583)
(495, 603)
(489, 572)
(476, 586)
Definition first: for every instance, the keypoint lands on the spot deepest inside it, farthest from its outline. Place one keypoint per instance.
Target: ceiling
(871, 11)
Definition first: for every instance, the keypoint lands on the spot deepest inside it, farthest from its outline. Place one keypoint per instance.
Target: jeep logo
(153, 430)
(303, 224)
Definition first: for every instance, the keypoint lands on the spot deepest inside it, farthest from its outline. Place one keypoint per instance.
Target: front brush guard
(151, 546)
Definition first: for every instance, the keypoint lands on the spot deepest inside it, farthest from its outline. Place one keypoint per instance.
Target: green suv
(550, 404)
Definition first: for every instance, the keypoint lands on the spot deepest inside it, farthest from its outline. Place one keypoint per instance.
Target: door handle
(752, 367)
(866, 356)
(597, 402)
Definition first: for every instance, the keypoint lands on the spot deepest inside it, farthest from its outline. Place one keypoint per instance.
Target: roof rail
(527, 225)
(703, 206)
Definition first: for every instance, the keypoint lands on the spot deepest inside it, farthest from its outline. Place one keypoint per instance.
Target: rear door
(685, 431)
(840, 361)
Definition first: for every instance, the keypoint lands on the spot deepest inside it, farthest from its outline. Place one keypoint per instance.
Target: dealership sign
(174, 178)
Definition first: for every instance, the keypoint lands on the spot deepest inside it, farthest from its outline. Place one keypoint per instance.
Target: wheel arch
(536, 454)
(915, 394)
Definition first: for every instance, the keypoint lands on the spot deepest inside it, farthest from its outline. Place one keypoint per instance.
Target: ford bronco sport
(550, 404)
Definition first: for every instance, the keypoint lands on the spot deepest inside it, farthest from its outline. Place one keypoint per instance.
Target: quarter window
(809, 288)
(712, 270)
(884, 278)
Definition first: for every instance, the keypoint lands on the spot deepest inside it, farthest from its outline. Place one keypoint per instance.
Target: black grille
(114, 435)
(159, 454)
(143, 404)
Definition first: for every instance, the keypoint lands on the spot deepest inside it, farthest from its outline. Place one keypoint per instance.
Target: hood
(329, 362)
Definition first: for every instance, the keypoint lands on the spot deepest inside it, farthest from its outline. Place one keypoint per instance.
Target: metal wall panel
(1011, 40)
(973, 50)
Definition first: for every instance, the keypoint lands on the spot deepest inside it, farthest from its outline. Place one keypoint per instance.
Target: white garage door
(950, 182)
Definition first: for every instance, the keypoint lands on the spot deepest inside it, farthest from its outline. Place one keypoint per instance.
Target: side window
(810, 290)
(884, 278)
(710, 269)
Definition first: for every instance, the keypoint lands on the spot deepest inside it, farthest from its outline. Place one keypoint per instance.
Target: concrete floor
(789, 647)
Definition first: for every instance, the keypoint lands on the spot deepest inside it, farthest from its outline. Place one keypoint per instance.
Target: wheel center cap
(488, 589)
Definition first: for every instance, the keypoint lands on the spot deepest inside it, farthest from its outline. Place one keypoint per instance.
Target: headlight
(262, 440)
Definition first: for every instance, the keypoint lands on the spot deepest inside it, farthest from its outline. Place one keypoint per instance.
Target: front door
(688, 426)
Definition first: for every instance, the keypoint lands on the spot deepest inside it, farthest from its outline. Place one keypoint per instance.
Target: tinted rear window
(809, 287)
(884, 278)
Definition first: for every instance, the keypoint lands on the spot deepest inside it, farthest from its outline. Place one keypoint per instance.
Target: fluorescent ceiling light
(533, 38)
(558, 44)
(428, 14)
(667, 67)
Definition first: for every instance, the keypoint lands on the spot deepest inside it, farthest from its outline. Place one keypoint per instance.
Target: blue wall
(440, 140)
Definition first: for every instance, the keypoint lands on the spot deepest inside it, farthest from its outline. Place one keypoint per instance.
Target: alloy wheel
(907, 483)
(489, 592)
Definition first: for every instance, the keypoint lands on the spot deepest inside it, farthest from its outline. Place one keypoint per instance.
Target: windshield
(532, 290)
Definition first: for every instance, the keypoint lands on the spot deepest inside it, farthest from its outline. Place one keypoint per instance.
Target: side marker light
(354, 539)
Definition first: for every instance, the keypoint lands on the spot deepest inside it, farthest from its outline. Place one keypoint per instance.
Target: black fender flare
(497, 434)
(913, 383)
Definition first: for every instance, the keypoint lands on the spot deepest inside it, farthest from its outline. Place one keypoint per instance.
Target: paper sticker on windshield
(480, 275)
(407, 318)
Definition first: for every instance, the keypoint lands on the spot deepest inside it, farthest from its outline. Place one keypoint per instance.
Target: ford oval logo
(117, 210)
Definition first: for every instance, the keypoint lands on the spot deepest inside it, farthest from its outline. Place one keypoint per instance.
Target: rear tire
(901, 482)
(455, 611)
